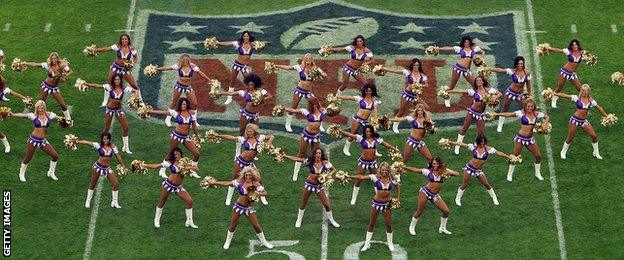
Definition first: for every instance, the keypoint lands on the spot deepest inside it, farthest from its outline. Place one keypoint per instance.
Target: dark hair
(179, 108)
(112, 80)
(121, 36)
(107, 134)
(577, 43)
(485, 83)
(354, 42)
(414, 61)
(314, 103)
(240, 39)
(517, 60)
(481, 139)
(437, 159)
(253, 78)
(372, 86)
(171, 156)
(2, 82)
(466, 38)
(312, 156)
(372, 129)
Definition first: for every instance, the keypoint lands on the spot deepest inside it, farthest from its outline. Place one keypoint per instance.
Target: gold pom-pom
(513, 159)
(331, 98)
(543, 49)
(277, 153)
(128, 65)
(150, 70)
(28, 102)
(489, 115)
(71, 142)
(478, 61)
(80, 85)
(325, 51)
(395, 203)
(65, 122)
(197, 140)
(334, 131)
(491, 100)
(207, 182)
(316, 74)
(211, 43)
(395, 155)
(256, 97)
(326, 179)
(432, 50)
(138, 167)
(430, 126)
(135, 101)
(278, 110)
(252, 194)
(416, 88)
(259, 46)
(443, 92)
(215, 86)
(333, 109)
(2, 66)
(617, 77)
(397, 167)
(143, 111)
(608, 120)
(17, 65)
(265, 147)
(445, 143)
(341, 177)
(5, 113)
(121, 171)
(590, 59)
(541, 128)
(483, 71)
(378, 70)
(212, 136)
(365, 68)
(185, 164)
(379, 122)
(89, 51)
(269, 67)
(548, 94)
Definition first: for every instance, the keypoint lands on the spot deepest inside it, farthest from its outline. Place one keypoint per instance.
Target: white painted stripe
(551, 164)
(324, 225)
(88, 27)
(124, 30)
(7, 26)
(573, 28)
(130, 16)
(614, 28)
(94, 214)
(47, 27)
(536, 31)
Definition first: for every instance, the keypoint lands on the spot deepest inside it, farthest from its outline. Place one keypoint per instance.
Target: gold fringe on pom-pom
(478, 61)
(2, 67)
(378, 70)
(207, 182)
(543, 49)
(265, 147)
(489, 116)
(28, 102)
(150, 70)
(134, 101)
(491, 100)
(256, 97)
(211, 43)
(608, 120)
(445, 143)
(379, 122)
(185, 164)
(251, 193)
(121, 171)
(617, 77)
(540, 128)
(432, 50)
(397, 167)
(128, 65)
(325, 51)
(365, 68)
(278, 110)
(17, 65)
(326, 179)
(138, 167)
(89, 51)
(277, 153)
(259, 46)
(80, 85)
(341, 177)
(483, 71)
(416, 88)
(395, 203)
(211, 136)
(443, 93)
(395, 155)
(5, 113)
(331, 98)
(513, 160)
(548, 94)
(590, 59)
(65, 122)
(269, 67)
(334, 131)
(316, 74)
(430, 126)
(71, 142)
(197, 140)
(333, 109)
(215, 86)
(143, 111)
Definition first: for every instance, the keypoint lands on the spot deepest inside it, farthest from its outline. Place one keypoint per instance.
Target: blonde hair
(40, 103)
(252, 127)
(182, 57)
(303, 64)
(526, 102)
(391, 173)
(255, 174)
(49, 60)
(588, 89)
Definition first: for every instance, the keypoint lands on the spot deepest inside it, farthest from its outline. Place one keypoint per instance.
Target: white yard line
(94, 214)
(614, 28)
(549, 151)
(573, 28)
(47, 27)
(324, 225)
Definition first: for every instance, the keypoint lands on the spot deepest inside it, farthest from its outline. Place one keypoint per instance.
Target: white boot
(168, 120)
(229, 98)
(345, 148)
(296, 170)
(238, 149)
(299, 218)
(189, 218)
(458, 197)
(228, 239)
(538, 171)
(377, 153)
(553, 102)
(163, 171)
(493, 195)
(263, 240)
(447, 103)
(564, 150)
(89, 196)
(67, 114)
(369, 236)
(288, 122)
(412, 226)
(126, 145)
(193, 173)
(442, 229)
(321, 128)
(460, 138)
(51, 171)
(7, 146)
(157, 217)
(22, 172)
(330, 217)
(105, 99)
(263, 200)
(228, 197)
(501, 122)
(389, 239)
(395, 127)
(354, 194)
(115, 201)
(596, 152)
(510, 172)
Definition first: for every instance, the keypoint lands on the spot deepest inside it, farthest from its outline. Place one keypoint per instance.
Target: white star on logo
(185, 27)
(250, 26)
(183, 43)
(411, 27)
(484, 45)
(476, 28)
(412, 44)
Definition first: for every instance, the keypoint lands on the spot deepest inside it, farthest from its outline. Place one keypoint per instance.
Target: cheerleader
(416, 139)
(467, 50)
(186, 69)
(58, 71)
(437, 173)
(37, 139)
(245, 47)
(520, 77)
(127, 56)
(583, 102)
(480, 153)
(173, 184)
(317, 163)
(304, 88)
(180, 134)
(367, 101)
(413, 74)
(115, 91)
(369, 140)
(248, 184)
(480, 89)
(528, 117)
(575, 55)
(4, 92)
(101, 167)
(384, 183)
(311, 134)
(249, 113)
(359, 54)
(250, 142)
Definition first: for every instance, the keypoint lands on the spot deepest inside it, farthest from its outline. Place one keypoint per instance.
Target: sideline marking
(92, 222)
(551, 164)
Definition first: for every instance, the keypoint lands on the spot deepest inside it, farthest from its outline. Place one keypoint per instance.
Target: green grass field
(50, 221)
